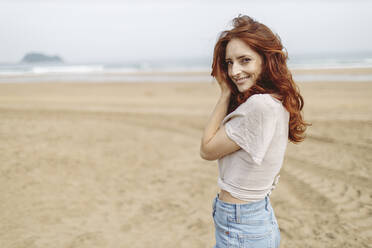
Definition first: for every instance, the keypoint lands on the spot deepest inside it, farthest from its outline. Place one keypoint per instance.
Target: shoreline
(299, 75)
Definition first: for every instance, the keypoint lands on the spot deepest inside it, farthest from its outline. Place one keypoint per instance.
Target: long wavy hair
(275, 77)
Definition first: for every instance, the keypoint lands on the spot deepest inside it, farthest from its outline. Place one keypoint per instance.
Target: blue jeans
(245, 225)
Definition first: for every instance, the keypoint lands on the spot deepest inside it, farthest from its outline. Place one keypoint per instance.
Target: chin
(244, 88)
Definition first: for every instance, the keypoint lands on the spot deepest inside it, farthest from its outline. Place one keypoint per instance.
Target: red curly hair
(275, 77)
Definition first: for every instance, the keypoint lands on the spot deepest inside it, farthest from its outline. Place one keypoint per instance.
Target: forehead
(237, 48)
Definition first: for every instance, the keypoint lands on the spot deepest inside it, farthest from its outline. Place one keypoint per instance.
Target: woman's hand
(222, 82)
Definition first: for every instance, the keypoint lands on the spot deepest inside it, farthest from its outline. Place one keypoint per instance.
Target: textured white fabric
(260, 127)
(252, 126)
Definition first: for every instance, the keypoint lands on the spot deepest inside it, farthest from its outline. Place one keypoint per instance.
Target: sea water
(177, 71)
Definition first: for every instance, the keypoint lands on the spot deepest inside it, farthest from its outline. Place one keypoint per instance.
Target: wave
(169, 72)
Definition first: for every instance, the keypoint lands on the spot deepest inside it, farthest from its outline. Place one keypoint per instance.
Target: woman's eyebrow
(240, 57)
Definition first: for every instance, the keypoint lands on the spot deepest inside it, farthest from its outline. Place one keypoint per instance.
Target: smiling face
(243, 63)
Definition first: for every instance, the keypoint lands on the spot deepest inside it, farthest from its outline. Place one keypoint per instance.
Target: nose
(235, 69)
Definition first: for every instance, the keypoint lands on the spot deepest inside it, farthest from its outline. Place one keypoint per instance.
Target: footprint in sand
(25, 243)
(91, 240)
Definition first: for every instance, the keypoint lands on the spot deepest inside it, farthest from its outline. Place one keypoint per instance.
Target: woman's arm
(215, 142)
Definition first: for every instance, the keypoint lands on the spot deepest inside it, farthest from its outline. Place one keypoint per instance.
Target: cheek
(256, 69)
(259, 68)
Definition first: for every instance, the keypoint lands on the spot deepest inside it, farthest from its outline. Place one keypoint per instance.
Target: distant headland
(40, 58)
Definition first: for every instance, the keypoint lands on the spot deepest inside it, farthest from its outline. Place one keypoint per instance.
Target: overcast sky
(119, 31)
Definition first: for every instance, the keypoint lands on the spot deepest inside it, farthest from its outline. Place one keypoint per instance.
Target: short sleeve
(252, 127)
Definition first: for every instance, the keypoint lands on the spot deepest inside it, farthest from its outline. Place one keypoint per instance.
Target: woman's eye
(228, 62)
(246, 60)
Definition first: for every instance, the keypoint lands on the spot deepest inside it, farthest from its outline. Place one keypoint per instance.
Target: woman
(259, 109)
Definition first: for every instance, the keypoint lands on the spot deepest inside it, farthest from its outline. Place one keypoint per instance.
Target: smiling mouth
(242, 79)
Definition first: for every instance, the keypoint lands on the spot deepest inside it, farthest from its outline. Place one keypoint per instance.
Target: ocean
(181, 70)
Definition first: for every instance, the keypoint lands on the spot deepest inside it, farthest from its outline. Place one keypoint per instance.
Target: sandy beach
(111, 165)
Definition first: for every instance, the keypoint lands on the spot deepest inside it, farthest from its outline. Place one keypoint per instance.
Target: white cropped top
(260, 127)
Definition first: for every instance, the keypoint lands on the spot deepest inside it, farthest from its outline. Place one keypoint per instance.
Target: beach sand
(118, 165)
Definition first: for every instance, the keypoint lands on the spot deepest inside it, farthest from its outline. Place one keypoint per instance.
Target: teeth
(242, 79)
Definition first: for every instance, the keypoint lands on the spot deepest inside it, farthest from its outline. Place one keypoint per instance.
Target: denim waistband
(242, 208)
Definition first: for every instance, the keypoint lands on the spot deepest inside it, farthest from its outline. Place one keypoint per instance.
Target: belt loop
(237, 206)
(267, 202)
(215, 202)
